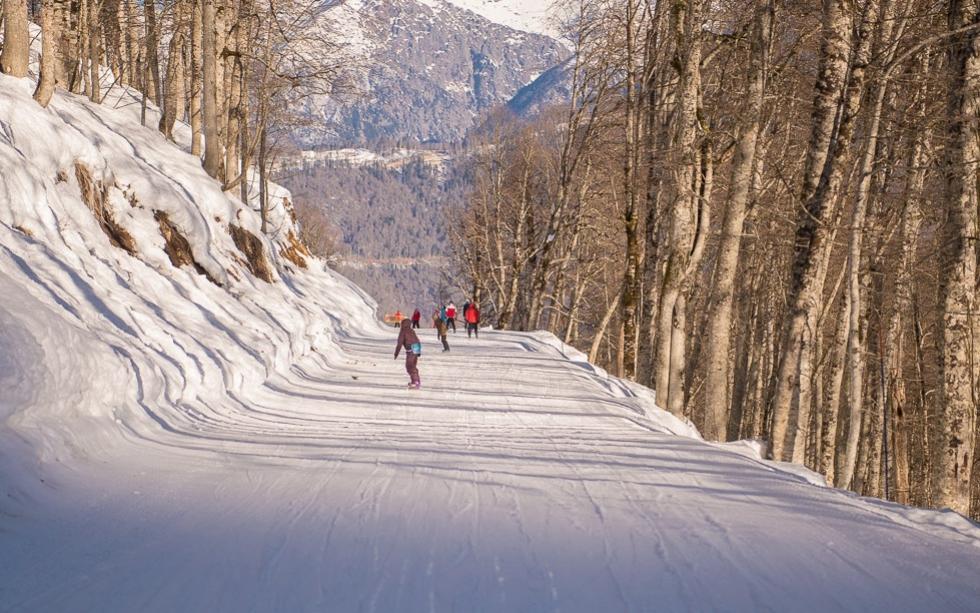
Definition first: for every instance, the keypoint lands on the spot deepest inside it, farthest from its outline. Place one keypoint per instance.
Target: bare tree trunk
(631, 274)
(71, 56)
(263, 178)
(719, 326)
(828, 430)
(958, 261)
(603, 325)
(154, 89)
(212, 141)
(748, 361)
(196, 79)
(224, 71)
(678, 349)
(975, 476)
(113, 40)
(902, 311)
(49, 35)
(232, 116)
(83, 47)
(94, 50)
(855, 349)
(174, 92)
(687, 22)
(16, 39)
(245, 47)
(658, 88)
(831, 130)
(874, 419)
(129, 23)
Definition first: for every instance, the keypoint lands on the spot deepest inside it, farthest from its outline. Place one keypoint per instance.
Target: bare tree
(960, 321)
(13, 59)
(50, 32)
(717, 404)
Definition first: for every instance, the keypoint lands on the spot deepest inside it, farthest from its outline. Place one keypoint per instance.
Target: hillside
(393, 217)
(116, 245)
(425, 71)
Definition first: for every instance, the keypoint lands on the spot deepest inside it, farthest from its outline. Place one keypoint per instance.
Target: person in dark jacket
(413, 349)
(473, 321)
(416, 319)
(441, 330)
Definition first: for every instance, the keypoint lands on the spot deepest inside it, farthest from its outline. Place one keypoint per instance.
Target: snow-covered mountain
(428, 70)
(528, 15)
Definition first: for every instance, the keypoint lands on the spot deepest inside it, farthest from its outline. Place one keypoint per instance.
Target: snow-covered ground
(183, 440)
(536, 16)
(515, 481)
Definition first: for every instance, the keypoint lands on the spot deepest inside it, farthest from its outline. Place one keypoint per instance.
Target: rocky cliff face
(430, 69)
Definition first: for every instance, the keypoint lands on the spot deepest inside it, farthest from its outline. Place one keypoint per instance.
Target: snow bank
(644, 399)
(127, 273)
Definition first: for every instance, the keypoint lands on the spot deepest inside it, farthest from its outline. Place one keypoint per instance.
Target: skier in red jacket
(472, 321)
(451, 316)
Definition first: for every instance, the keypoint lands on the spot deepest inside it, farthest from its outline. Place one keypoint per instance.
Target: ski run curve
(515, 480)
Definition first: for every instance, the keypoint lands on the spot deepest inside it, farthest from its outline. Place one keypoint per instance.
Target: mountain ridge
(426, 71)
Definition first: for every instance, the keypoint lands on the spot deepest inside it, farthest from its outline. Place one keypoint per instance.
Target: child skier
(416, 319)
(413, 349)
(441, 331)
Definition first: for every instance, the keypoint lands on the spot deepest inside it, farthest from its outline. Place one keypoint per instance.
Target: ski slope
(516, 480)
(178, 437)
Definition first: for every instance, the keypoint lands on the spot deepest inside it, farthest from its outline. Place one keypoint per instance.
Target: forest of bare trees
(231, 69)
(767, 211)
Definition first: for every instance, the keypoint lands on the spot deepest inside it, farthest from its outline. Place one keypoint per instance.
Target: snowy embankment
(178, 434)
(135, 292)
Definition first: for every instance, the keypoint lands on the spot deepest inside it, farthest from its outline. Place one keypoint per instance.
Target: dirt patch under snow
(95, 194)
(253, 250)
(295, 250)
(176, 246)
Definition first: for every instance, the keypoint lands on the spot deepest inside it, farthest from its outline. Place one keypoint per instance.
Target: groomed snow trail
(516, 480)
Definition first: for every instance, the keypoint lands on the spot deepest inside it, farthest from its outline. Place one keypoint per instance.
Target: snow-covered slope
(178, 434)
(526, 15)
(171, 297)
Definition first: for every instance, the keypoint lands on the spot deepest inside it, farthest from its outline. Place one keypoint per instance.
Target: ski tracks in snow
(515, 480)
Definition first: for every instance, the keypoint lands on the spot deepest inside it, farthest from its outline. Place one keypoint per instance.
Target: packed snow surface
(174, 439)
